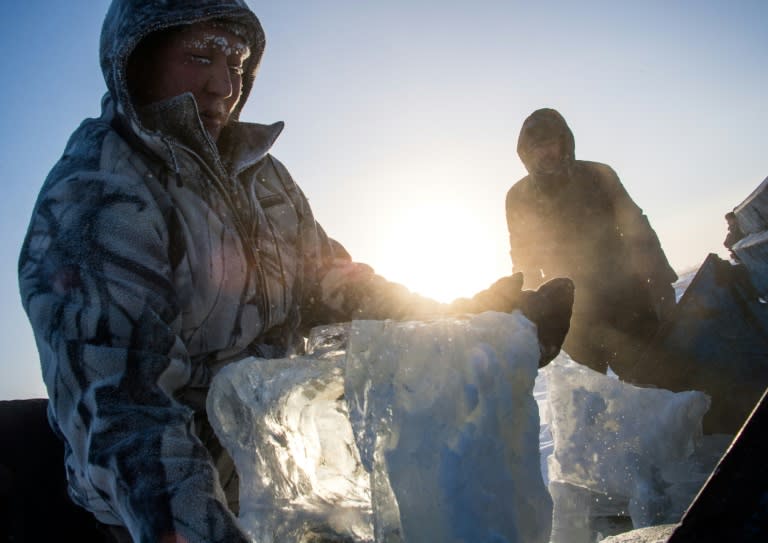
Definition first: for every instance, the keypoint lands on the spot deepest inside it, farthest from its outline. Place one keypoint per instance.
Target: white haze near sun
(402, 121)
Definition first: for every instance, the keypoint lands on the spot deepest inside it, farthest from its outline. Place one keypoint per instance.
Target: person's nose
(220, 80)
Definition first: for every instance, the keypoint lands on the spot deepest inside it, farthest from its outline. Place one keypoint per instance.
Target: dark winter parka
(154, 257)
(578, 221)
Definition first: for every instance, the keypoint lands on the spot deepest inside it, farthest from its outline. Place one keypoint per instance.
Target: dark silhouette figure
(573, 218)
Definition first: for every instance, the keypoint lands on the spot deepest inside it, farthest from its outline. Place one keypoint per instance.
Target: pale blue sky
(402, 120)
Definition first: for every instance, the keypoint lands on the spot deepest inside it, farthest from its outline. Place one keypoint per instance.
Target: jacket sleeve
(643, 248)
(96, 284)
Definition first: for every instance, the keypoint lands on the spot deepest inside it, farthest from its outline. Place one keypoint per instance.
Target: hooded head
(128, 22)
(545, 127)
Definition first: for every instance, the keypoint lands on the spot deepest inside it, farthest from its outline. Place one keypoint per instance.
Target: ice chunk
(630, 446)
(390, 432)
(445, 416)
(285, 424)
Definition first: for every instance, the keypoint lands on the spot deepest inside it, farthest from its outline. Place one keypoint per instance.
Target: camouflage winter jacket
(152, 259)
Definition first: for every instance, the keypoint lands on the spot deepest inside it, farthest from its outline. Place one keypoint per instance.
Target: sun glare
(437, 250)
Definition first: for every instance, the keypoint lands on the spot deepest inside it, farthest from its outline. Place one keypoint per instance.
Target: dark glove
(549, 308)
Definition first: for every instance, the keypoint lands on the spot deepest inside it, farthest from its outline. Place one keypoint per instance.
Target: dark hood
(129, 21)
(541, 125)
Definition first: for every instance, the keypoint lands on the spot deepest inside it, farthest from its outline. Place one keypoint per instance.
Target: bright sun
(437, 250)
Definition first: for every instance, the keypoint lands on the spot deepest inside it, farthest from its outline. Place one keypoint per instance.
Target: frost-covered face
(203, 59)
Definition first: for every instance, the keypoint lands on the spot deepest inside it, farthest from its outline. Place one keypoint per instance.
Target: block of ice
(628, 445)
(390, 432)
(285, 424)
(447, 423)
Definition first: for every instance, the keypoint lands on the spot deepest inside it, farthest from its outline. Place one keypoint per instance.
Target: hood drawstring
(174, 162)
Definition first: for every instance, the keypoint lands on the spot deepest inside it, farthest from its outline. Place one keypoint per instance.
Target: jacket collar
(244, 144)
(176, 121)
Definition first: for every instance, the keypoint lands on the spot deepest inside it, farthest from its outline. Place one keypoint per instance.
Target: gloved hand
(550, 308)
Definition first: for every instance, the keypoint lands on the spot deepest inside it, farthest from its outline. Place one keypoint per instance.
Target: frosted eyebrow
(222, 43)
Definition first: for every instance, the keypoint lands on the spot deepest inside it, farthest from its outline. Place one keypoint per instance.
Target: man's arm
(643, 248)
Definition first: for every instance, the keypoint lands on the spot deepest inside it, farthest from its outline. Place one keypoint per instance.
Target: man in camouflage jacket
(168, 242)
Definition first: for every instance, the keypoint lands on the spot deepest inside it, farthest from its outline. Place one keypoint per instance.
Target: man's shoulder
(599, 169)
(86, 142)
(96, 154)
(517, 196)
(521, 187)
(82, 153)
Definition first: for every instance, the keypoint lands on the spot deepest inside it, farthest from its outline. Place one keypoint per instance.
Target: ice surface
(391, 432)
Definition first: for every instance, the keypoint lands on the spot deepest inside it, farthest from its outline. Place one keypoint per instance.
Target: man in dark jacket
(168, 242)
(573, 218)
